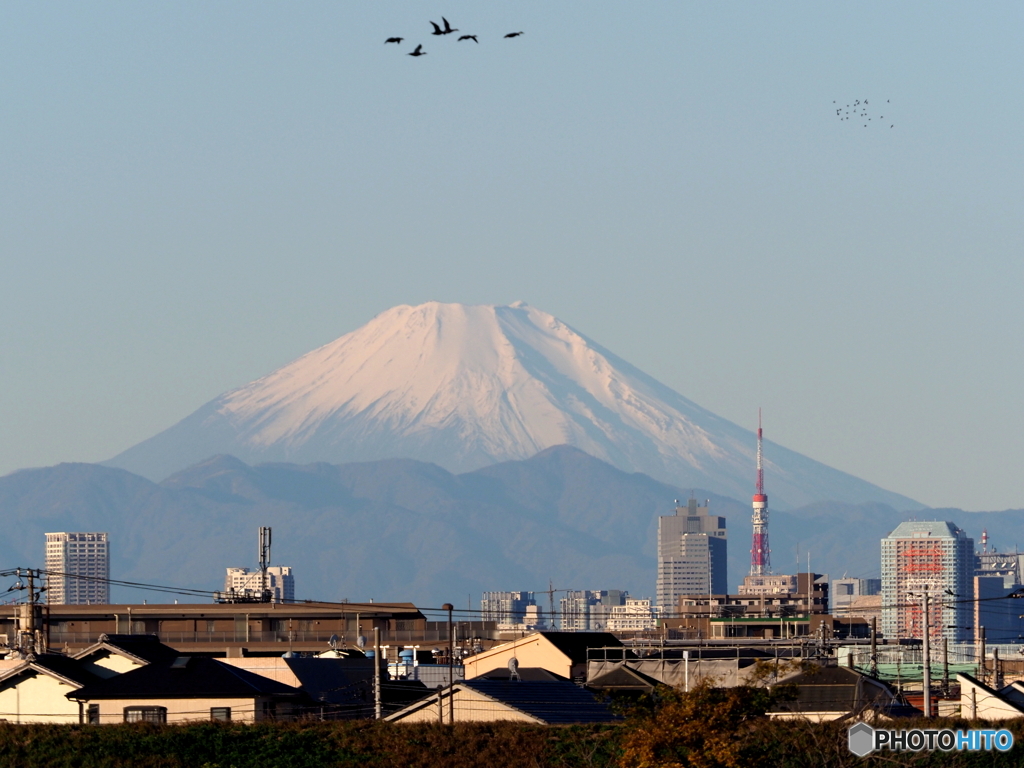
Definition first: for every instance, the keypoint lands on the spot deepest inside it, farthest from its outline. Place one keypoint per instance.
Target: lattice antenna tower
(760, 553)
(264, 563)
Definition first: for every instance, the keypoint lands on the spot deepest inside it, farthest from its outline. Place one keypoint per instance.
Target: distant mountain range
(401, 529)
(465, 387)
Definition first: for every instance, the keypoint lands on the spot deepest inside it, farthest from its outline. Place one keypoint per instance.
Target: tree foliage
(707, 727)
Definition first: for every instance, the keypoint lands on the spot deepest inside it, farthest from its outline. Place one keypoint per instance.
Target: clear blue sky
(194, 193)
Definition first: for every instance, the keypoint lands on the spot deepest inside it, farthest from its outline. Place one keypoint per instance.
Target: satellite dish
(333, 642)
(513, 669)
(361, 641)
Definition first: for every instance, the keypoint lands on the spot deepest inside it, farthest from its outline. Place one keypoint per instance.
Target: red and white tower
(760, 554)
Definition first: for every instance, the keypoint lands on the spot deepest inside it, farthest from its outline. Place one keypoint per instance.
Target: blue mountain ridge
(401, 529)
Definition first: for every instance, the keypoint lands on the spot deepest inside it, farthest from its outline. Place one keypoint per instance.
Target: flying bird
(447, 27)
(394, 40)
(437, 29)
(470, 37)
(419, 51)
(513, 34)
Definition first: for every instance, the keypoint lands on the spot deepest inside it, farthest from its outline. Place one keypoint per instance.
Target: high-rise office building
(691, 554)
(242, 582)
(933, 557)
(78, 569)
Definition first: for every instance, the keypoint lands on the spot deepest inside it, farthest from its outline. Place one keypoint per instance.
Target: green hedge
(785, 744)
(304, 745)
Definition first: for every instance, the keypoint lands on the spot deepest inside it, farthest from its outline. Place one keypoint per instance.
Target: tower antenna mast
(760, 554)
(265, 535)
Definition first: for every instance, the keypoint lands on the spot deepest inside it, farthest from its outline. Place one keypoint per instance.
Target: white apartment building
(586, 610)
(242, 582)
(512, 611)
(78, 566)
(934, 557)
(636, 615)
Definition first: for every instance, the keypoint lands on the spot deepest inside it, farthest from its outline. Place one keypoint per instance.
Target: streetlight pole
(451, 664)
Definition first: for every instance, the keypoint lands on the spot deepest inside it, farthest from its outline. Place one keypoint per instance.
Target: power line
(469, 613)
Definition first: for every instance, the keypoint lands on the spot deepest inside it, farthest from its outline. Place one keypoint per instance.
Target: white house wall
(107, 664)
(978, 703)
(33, 697)
(180, 710)
(531, 651)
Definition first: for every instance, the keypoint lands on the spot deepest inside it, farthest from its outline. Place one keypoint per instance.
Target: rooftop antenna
(264, 562)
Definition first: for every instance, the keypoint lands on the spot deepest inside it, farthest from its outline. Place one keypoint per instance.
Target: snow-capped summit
(467, 386)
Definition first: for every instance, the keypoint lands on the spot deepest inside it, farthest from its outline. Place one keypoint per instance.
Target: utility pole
(982, 667)
(31, 638)
(927, 679)
(451, 665)
(874, 647)
(945, 666)
(31, 623)
(376, 673)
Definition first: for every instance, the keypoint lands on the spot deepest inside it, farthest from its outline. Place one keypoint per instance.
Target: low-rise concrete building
(230, 627)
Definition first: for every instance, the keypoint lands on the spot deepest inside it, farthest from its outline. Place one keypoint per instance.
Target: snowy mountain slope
(468, 386)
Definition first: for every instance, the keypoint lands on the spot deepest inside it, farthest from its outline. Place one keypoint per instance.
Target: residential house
(540, 702)
(185, 689)
(834, 693)
(116, 654)
(35, 690)
(564, 653)
(980, 702)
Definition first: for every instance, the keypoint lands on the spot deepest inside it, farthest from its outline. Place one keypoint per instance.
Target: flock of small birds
(858, 111)
(438, 31)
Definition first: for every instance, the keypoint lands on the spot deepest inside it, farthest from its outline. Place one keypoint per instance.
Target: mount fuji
(469, 386)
